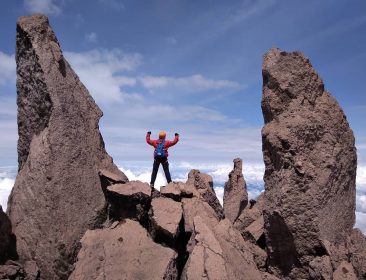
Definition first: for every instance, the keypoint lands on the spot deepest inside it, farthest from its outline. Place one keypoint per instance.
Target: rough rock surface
(124, 252)
(310, 159)
(166, 215)
(204, 185)
(219, 252)
(235, 192)
(357, 253)
(250, 214)
(57, 194)
(344, 272)
(178, 190)
(12, 271)
(128, 201)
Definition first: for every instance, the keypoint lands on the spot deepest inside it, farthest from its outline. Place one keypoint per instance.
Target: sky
(192, 67)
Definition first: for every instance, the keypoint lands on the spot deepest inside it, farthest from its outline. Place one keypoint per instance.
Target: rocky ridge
(299, 228)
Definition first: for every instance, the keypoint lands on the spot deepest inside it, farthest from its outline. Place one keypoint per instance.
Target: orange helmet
(162, 134)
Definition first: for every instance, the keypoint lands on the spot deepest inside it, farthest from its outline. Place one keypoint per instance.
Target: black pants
(164, 162)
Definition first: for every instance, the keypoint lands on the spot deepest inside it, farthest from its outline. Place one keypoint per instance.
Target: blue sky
(192, 67)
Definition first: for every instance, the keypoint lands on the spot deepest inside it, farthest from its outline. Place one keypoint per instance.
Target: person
(161, 154)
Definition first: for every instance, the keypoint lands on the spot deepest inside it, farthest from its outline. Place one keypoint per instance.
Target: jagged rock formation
(310, 158)
(58, 193)
(204, 185)
(235, 193)
(197, 243)
(72, 210)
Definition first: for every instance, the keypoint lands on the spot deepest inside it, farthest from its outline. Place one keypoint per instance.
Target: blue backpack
(160, 153)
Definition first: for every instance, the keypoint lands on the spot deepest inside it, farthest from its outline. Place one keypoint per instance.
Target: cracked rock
(166, 215)
(124, 252)
(204, 185)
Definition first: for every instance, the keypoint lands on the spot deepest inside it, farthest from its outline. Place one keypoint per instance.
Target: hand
(176, 134)
(149, 132)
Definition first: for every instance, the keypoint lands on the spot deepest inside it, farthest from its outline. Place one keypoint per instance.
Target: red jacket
(167, 143)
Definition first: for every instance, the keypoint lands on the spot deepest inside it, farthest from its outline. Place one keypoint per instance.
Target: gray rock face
(204, 185)
(124, 252)
(310, 158)
(235, 193)
(57, 194)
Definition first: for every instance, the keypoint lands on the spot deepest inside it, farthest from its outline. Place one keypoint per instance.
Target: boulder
(128, 201)
(310, 165)
(58, 193)
(166, 215)
(178, 190)
(204, 185)
(124, 252)
(357, 253)
(235, 192)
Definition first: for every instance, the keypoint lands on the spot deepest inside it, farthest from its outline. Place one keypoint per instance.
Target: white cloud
(361, 221)
(361, 203)
(48, 7)
(6, 184)
(195, 83)
(91, 37)
(100, 71)
(7, 69)
(361, 179)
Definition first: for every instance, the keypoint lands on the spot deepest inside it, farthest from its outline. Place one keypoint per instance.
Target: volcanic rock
(310, 159)
(178, 190)
(250, 214)
(57, 194)
(166, 215)
(12, 271)
(219, 253)
(204, 184)
(357, 253)
(344, 272)
(124, 252)
(128, 201)
(235, 192)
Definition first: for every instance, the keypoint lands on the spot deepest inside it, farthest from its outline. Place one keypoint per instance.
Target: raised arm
(172, 143)
(148, 140)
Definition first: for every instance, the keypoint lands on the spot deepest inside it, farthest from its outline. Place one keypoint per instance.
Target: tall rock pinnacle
(57, 194)
(235, 193)
(310, 158)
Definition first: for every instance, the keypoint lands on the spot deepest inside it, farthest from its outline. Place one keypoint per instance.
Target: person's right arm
(148, 140)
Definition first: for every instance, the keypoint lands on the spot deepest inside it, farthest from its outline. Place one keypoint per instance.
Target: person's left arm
(172, 143)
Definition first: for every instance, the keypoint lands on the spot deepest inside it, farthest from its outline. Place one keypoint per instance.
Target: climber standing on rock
(161, 154)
